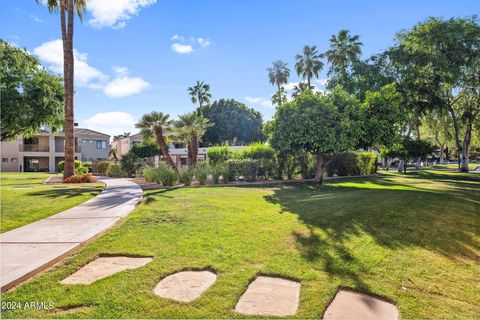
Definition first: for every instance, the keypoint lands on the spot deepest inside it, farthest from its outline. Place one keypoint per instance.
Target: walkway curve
(30, 249)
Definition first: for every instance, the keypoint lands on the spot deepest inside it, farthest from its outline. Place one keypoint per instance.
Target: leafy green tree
(383, 117)
(446, 53)
(67, 17)
(437, 129)
(279, 97)
(278, 75)
(192, 126)
(145, 150)
(233, 123)
(30, 95)
(200, 93)
(157, 125)
(320, 125)
(309, 63)
(344, 51)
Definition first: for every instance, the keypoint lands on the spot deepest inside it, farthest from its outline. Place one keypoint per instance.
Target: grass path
(413, 239)
(24, 199)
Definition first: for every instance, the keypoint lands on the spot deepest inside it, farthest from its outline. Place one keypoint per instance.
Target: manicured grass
(471, 166)
(25, 199)
(412, 239)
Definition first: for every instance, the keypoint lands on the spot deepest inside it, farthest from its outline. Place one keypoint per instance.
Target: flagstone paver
(185, 286)
(103, 267)
(353, 305)
(268, 296)
(27, 250)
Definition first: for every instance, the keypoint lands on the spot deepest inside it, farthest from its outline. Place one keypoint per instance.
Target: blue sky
(135, 56)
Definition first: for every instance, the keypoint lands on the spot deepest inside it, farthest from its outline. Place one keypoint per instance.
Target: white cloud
(121, 71)
(182, 48)
(322, 82)
(289, 86)
(177, 37)
(203, 42)
(259, 101)
(111, 123)
(52, 52)
(36, 19)
(114, 13)
(123, 86)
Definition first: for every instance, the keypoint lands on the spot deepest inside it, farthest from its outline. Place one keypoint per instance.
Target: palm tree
(344, 50)
(309, 64)
(301, 88)
(191, 127)
(200, 93)
(156, 125)
(278, 74)
(66, 8)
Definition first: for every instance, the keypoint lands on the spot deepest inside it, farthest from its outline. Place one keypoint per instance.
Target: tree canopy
(233, 123)
(30, 95)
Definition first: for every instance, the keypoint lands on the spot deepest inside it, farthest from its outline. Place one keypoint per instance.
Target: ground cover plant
(25, 199)
(412, 238)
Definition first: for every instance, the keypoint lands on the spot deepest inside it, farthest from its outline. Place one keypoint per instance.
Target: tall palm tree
(200, 93)
(344, 50)
(300, 88)
(192, 126)
(156, 125)
(66, 8)
(309, 64)
(278, 74)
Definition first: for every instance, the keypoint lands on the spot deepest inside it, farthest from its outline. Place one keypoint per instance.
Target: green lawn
(471, 166)
(25, 199)
(413, 239)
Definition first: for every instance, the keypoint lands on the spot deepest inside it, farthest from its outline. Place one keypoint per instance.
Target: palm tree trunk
(194, 147)
(164, 148)
(68, 69)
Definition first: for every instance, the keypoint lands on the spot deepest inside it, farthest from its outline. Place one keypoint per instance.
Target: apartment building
(45, 150)
(123, 145)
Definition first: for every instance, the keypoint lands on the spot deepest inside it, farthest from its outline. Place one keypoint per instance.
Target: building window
(101, 159)
(4, 159)
(90, 141)
(84, 159)
(90, 159)
(101, 144)
(14, 160)
(84, 141)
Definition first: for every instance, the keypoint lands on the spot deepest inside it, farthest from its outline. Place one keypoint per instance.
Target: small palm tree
(191, 127)
(200, 93)
(67, 17)
(308, 64)
(344, 50)
(300, 88)
(278, 74)
(157, 125)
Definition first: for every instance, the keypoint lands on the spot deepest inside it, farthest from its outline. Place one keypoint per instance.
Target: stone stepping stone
(353, 305)
(104, 267)
(271, 297)
(185, 286)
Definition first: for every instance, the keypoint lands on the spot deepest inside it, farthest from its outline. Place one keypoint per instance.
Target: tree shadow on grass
(395, 215)
(64, 193)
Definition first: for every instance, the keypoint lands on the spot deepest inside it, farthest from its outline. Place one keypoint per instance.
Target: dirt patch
(269, 296)
(103, 267)
(354, 305)
(185, 286)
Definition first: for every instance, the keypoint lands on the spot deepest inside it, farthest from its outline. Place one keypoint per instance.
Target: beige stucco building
(45, 150)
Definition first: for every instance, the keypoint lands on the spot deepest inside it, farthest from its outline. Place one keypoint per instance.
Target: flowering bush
(80, 178)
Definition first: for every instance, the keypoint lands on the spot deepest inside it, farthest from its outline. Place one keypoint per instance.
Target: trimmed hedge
(61, 165)
(244, 169)
(102, 167)
(217, 155)
(115, 170)
(352, 164)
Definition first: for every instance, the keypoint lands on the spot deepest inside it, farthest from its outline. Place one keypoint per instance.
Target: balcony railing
(78, 149)
(33, 148)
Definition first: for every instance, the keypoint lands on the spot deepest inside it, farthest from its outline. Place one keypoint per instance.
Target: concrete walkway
(27, 250)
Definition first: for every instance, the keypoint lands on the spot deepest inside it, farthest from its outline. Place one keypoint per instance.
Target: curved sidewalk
(28, 250)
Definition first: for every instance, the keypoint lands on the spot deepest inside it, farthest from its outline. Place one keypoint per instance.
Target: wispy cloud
(114, 13)
(182, 48)
(35, 18)
(259, 101)
(184, 44)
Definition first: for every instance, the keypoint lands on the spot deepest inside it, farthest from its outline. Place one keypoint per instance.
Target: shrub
(217, 171)
(265, 156)
(366, 162)
(102, 167)
(217, 155)
(61, 165)
(185, 176)
(151, 174)
(145, 150)
(167, 175)
(343, 164)
(88, 165)
(115, 170)
(80, 178)
(81, 170)
(202, 170)
(245, 169)
(129, 163)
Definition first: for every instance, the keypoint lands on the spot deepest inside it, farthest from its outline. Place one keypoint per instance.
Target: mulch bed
(53, 179)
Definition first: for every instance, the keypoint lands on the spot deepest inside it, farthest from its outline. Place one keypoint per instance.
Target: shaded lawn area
(413, 239)
(25, 199)
(471, 166)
